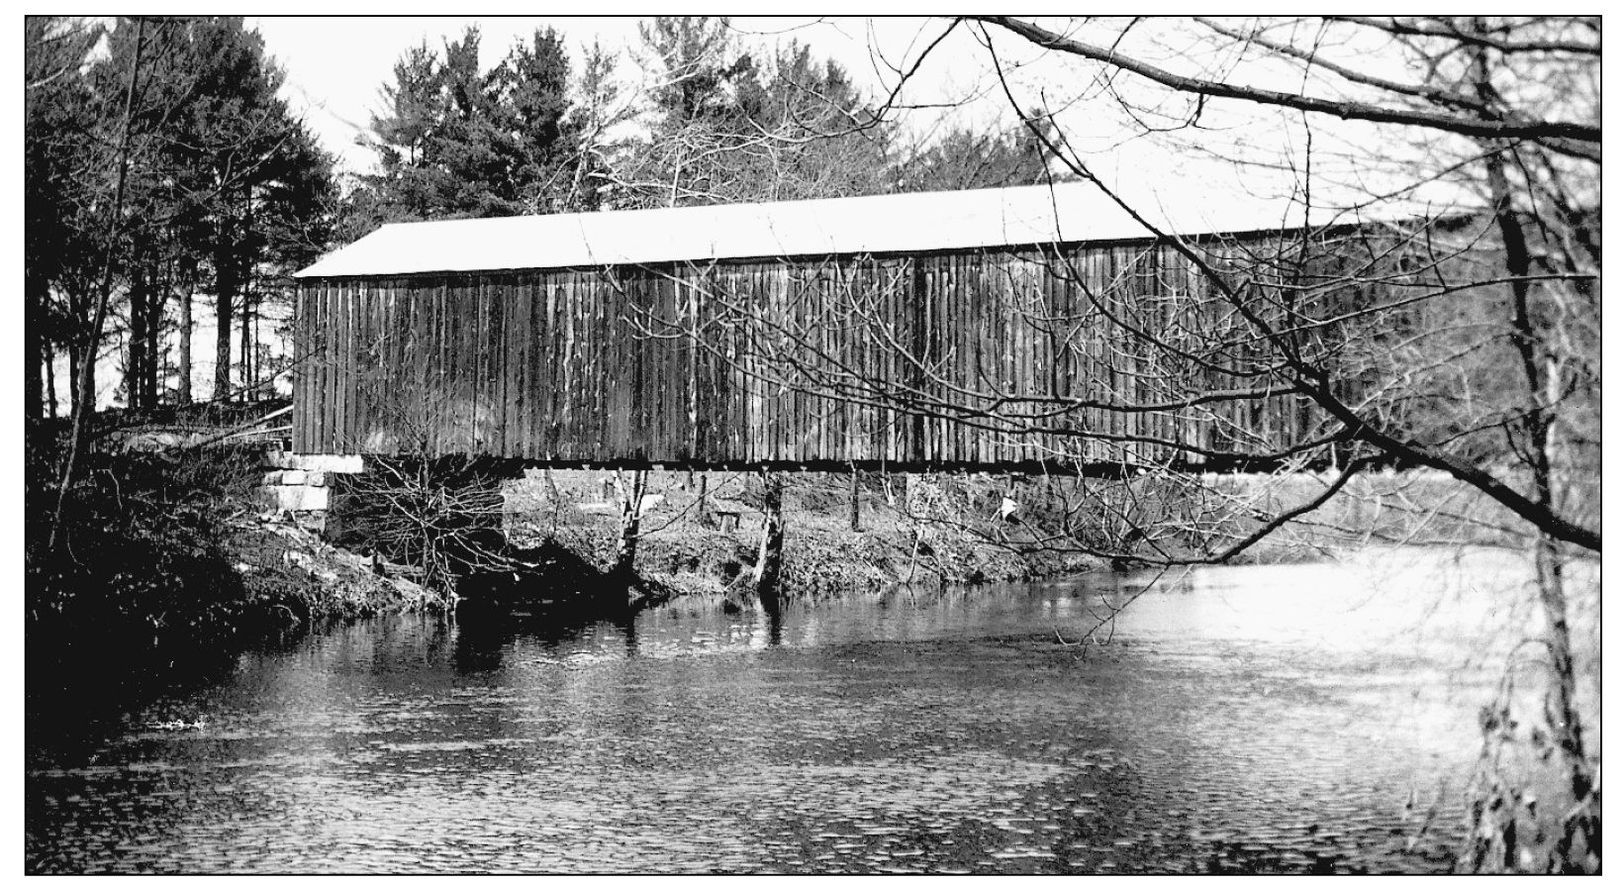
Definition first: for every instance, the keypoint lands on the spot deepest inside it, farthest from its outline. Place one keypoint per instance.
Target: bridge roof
(911, 222)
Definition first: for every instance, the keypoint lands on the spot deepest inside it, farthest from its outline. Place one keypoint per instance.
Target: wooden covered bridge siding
(584, 365)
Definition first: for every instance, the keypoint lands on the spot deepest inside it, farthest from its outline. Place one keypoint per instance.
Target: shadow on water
(78, 692)
(773, 607)
(485, 634)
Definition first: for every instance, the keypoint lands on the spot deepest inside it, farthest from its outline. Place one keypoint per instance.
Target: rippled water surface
(1263, 718)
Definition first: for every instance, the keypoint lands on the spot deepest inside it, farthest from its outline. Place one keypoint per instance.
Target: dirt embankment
(923, 529)
(969, 528)
(290, 574)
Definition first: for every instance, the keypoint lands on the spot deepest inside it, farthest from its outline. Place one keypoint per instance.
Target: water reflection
(772, 607)
(1242, 719)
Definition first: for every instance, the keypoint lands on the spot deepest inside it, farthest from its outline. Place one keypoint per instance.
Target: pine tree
(220, 164)
(540, 137)
(456, 143)
(59, 159)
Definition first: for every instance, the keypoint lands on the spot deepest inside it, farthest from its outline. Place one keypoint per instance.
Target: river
(1283, 717)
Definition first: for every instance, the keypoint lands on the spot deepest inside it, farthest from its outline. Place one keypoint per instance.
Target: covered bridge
(911, 330)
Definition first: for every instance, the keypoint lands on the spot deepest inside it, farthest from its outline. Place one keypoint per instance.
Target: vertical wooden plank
(301, 339)
(346, 375)
(305, 402)
(335, 357)
(382, 363)
(360, 347)
(301, 365)
(458, 306)
(361, 344)
(480, 348)
(474, 341)
(766, 392)
(528, 340)
(483, 350)
(435, 345)
(556, 367)
(564, 377)
(451, 407)
(323, 357)
(367, 362)
(312, 363)
(586, 316)
(473, 354)
(539, 351)
(501, 291)
(340, 348)
(751, 285)
(514, 302)
(416, 352)
(760, 293)
(593, 372)
(605, 367)
(366, 359)
(500, 313)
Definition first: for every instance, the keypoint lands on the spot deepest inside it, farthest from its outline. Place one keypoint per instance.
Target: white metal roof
(909, 222)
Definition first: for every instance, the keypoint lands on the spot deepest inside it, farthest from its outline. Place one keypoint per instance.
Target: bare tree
(1446, 232)
(1524, 94)
(86, 397)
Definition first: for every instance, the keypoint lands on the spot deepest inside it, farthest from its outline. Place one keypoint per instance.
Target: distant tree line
(716, 123)
(225, 191)
(161, 168)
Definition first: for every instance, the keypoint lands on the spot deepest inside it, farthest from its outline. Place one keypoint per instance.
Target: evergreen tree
(404, 133)
(60, 156)
(222, 186)
(456, 143)
(238, 147)
(540, 138)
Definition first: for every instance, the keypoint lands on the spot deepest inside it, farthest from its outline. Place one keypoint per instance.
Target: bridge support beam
(769, 564)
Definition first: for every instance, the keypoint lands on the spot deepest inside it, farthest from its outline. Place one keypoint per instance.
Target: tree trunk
(50, 381)
(246, 278)
(769, 564)
(152, 377)
(1541, 372)
(625, 553)
(135, 364)
(85, 397)
(856, 500)
(703, 518)
(37, 290)
(183, 388)
(75, 363)
(225, 290)
(246, 356)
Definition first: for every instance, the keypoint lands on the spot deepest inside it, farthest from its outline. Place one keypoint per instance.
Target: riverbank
(950, 532)
(966, 528)
(187, 553)
(167, 565)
